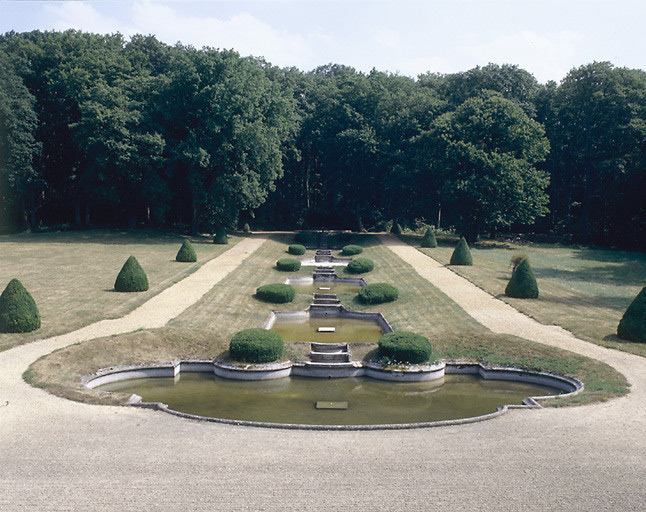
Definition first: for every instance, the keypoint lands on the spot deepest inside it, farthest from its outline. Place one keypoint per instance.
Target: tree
(486, 152)
(18, 146)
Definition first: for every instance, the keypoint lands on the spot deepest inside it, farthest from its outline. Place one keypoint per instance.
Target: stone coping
(569, 385)
(335, 311)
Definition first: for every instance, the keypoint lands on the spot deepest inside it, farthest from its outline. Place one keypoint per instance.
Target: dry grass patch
(71, 275)
(584, 290)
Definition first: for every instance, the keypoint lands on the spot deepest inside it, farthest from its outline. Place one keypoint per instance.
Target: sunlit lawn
(584, 290)
(71, 275)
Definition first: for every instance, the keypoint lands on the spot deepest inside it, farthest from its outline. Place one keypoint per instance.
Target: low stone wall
(413, 373)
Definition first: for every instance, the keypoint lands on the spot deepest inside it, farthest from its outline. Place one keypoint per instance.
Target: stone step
(325, 296)
(327, 301)
(329, 347)
(329, 357)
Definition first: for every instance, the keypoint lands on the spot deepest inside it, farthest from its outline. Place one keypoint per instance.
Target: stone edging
(565, 383)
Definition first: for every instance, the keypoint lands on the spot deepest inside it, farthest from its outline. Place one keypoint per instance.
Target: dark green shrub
(221, 236)
(18, 311)
(186, 252)
(296, 249)
(378, 293)
(351, 250)
(405, 347)
(428, 240)
(307, 238)
(360, 266)
(278, 293)
(256, 346)
(246, 228)
(461, 255)
(288, 264)
(633, 324)
(396, 229)
(132, 277)
(522, 284)
(516, 259)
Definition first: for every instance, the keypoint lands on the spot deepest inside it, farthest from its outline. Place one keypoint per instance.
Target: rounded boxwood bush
(522, 284)
(428, 240)
(278, 293)
(186, 253)
(461, 255)
(132, 277)
(220, 236)
(296, 249)
(288, 264)
(351, 250)
(360, 266)
(18, 311)
(378, 293)
(633, 324)
(256, 346)
(405, 347)
(396, 229)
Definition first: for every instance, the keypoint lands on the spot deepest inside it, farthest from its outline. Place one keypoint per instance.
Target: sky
(548, 38)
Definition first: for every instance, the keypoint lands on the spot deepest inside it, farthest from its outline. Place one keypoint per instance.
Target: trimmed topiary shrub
(351, 250)
(522, 284)
(378, 293)
(288, 264)
(18, 311)
(462, 255)
(278, 293)
(296, 249)
(256, 346)
(221, 236)
(132, 277)
(360, 266)
(633, 324)
(186, 253)
(405, 347)
(246, 228)
(396, 229)
(428, 240)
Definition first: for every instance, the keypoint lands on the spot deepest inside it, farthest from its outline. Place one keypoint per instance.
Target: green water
(347, 330)
(315, 287)
(293, 399)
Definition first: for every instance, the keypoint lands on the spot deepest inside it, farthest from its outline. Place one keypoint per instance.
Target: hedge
(351, 250)
(429, 240)
(405, 347)
(288, 264)
(378, 293)
(18, 310)
(461, 255)
(296, 249)
(221, 236)
(632, 325)
(278, 293)
(186, 253)
(360, 266)
(256, 346)
(132, 277)
(307, 238)
(522, 284)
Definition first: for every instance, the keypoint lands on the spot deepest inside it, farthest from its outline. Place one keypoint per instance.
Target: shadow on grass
(629, 273)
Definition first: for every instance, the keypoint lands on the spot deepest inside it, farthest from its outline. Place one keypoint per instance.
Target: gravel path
(56, 454)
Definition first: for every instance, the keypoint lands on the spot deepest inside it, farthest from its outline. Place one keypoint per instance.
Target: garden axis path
(56, 454)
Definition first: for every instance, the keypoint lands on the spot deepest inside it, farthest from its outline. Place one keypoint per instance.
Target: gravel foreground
(56, 454)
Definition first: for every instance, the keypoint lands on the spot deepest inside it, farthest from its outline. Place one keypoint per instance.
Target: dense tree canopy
(100, 130)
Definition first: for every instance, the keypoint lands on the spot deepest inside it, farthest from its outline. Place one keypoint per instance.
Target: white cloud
(80, 16)
(545, 55)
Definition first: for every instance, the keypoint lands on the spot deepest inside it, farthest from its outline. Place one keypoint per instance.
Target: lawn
(585, 290)
(204, 330)
(71, 275)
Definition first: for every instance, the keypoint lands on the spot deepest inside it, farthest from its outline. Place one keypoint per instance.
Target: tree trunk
(77, 212)
(357, 215)
(194, 219)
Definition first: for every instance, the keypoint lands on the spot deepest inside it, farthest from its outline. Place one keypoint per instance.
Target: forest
(100, 130)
